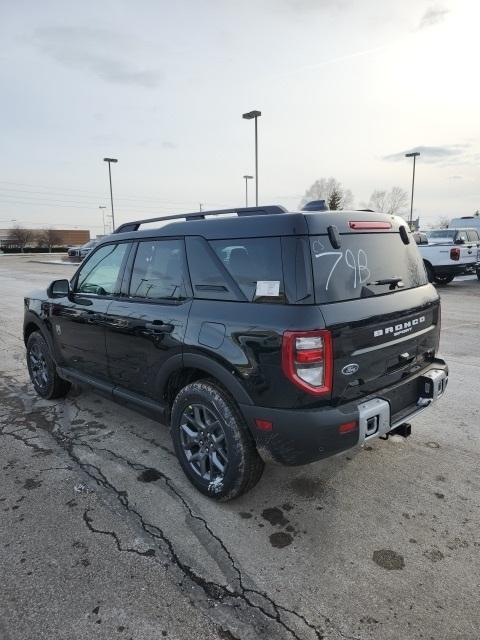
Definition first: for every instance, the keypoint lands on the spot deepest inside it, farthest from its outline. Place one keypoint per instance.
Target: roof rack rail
(200, 215)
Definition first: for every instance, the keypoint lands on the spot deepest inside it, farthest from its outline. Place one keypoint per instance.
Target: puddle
(149, 475)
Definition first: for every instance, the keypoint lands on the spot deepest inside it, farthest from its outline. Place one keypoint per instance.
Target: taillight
(454, 253)
(307, 360)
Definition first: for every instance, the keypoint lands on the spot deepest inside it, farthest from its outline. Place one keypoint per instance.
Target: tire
(444, 279)
(41, 367)
(478, 274)
(209, 433)
(430, 272)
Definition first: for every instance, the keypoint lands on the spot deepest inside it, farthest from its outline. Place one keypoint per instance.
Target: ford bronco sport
(257, 335)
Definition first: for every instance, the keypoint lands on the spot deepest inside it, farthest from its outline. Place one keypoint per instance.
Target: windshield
(441, 233)
(365, 265)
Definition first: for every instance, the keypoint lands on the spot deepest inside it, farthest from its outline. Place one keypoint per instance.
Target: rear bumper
(456, 269)
(302, 436)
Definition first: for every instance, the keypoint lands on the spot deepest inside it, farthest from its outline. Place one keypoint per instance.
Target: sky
(345, 89)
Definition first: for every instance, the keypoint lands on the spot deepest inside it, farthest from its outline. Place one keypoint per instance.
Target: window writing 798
(357, 261)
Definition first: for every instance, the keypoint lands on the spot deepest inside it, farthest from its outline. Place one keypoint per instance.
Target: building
(64, 237)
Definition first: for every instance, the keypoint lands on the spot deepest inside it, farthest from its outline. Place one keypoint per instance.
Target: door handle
(157, 326)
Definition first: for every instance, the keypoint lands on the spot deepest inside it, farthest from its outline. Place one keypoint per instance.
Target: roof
(272, 221)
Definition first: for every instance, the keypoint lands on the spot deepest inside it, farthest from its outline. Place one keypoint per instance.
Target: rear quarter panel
(245, 339)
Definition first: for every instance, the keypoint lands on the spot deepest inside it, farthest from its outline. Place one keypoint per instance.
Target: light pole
(247, 178)
(413, 155)
(102, 209)
(110, 160)
(254, 115)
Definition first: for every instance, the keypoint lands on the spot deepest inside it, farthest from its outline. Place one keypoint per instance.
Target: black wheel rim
(38, 367)
(203, 442)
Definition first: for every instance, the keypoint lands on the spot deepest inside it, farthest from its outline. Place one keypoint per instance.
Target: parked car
(82, 251)
(269, 335)
(420, 237)
(450, 253)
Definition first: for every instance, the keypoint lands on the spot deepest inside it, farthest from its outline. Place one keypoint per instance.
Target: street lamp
(413, 155)
(110, 160)
(254, 115)
(102, 209)
(247, 178)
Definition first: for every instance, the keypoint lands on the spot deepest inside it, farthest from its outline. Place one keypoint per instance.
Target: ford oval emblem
(350, 369)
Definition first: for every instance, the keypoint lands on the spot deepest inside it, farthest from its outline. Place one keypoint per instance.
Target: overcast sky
(345, 88)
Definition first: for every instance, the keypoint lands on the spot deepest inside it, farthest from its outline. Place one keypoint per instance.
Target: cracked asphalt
(101, 535)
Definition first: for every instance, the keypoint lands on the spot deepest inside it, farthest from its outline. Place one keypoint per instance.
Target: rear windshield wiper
(393, 282)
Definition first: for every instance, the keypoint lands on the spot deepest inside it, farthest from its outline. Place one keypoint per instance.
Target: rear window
(448, 234)
(256, 266)
(363, 261)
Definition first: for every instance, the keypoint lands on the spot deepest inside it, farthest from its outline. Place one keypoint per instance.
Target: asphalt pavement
(102, 536)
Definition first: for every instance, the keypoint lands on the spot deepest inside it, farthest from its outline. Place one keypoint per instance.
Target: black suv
(257, 335)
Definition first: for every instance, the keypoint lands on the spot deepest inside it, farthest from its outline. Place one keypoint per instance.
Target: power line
(8, 199)
(60, 225)
(93, 203)
(57, 191)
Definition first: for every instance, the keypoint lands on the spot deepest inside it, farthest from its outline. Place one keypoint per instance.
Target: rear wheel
(42, 370)
(443, 279)
(212, 442)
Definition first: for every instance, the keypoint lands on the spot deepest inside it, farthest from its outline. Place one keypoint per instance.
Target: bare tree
(19, 237)
(330, 190)
(392, 202)
(443, 223)
(48, 238)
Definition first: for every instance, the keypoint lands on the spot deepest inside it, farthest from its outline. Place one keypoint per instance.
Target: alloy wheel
(38, 367)
(203, 442)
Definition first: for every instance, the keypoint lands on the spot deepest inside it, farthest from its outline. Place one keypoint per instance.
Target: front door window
(100, 273)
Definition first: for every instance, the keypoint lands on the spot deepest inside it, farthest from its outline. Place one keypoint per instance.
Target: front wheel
(212, 442)
(42, 369)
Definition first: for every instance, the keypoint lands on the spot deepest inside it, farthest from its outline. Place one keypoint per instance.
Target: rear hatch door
(374, 295)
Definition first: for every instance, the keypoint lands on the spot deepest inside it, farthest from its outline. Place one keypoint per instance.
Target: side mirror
(459, 241)
(59, 289)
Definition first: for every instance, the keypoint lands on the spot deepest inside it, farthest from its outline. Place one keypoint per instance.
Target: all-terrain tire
(42, 369)
(201, 413)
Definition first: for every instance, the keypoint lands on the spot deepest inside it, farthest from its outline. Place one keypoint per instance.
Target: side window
(473, 236)
(100, 272)
(462, 235)
(209, 281)
(158, 271)
(256, 266)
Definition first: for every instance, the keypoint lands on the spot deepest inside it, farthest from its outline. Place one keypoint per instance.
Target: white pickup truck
(448, 253)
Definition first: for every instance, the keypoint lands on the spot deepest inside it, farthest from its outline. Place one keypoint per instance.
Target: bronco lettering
(398, 329)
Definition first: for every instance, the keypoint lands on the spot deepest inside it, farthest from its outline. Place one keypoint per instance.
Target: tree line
(21, 237)
(393, 201)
